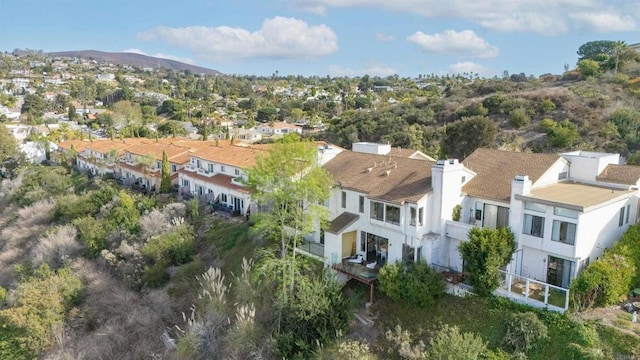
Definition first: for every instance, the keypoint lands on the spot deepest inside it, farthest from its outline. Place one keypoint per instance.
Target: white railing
(533, 292)
(237, 181)
(190, 167)
(458, 230)
(203, 171)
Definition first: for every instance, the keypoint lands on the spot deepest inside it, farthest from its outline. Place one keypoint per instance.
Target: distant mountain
(133, 59)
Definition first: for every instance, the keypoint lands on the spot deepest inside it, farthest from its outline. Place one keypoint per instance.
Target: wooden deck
(359, 272)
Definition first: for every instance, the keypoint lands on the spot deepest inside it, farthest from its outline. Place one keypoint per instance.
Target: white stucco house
(564, 209)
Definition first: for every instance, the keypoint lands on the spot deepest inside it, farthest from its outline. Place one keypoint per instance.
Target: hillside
(133, 59)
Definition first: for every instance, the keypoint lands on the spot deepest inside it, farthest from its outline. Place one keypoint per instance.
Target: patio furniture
(358, 259)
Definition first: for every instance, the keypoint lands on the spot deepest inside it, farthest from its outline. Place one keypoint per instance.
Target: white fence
(533, 292)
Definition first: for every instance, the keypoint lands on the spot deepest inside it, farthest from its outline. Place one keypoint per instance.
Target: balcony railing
(237, 181)
(533, 292)
(458, 230)
(312, 248)
(205, 172)
(190, 167)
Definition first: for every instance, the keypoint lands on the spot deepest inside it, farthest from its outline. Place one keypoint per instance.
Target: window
(185, 182)
(408, 253)
(392, 214)
(211, 168)
(237, 172)
(361, 204)
(198, 164)
(173, 168)
(463, 179)
(344, 199)
(413, 214)
(534, 207)
(562, 175)
(533, 225)
(563, 232)
(626, 220)
(223, 198)
(221, 168)
(377, 211)
(565, 212)
(621, 219)
(158, 165)
(421, 216)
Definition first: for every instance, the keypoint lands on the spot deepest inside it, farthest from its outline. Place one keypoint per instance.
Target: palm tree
(617, 50)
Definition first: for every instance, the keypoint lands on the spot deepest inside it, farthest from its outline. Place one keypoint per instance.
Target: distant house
(279, 128)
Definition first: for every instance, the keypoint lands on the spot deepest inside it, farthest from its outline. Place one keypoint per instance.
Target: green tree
(593, 50)
(34, 105)
(518, 118)
(464, 136)
(8, 144)
(165, 182)
(563, 134)
(124, 214)
(288, 180)
(486, 251)
(171, 128)
(588, 67)
(449, 343)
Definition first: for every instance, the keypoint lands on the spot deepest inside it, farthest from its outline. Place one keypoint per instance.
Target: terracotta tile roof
(382, 177)
(496, 168)
(78, 145)
(620, 174)
(341, 222)
(239, 156)
(104, 146)
(280, 125)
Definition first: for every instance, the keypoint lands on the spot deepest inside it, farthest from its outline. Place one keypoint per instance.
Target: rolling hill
(133, 59)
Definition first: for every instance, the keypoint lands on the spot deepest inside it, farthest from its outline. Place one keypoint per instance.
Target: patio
(359, 271)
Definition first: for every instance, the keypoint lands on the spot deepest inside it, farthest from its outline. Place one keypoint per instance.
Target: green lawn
(567, 339)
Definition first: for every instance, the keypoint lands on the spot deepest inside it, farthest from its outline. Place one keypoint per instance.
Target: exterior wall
(598, 229)
(585, 165)
(551, 175)
(371, 148)
(349, 243)
(403, 233)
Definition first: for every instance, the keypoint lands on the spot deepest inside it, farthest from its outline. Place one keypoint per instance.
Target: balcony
(311, 247)
(237, 181)
(190, 167)
(458, 230)
(204, 172)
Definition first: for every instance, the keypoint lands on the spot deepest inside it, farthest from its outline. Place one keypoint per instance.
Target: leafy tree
(467, 134)
(171, 128)
(34, 105)
(522, 330)
(518, 118)
(486, 251)
(41, 301)
(124, 213)
(588, 67)
(291, 183)
(165, 182)
(416, 283)
(267, 114)
(450, 343)
(593, 50)
(8, 144)
(563, 134)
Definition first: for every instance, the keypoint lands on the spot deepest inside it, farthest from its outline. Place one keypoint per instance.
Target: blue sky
(328, 37)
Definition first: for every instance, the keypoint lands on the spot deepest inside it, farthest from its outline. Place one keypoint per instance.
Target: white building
(279, 128)
(564, 210)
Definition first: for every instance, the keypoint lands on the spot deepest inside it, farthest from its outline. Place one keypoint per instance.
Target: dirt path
(614, 316)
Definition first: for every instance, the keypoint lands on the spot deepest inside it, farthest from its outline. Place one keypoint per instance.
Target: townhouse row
(211, 169)
(564, 209)
(389, 204)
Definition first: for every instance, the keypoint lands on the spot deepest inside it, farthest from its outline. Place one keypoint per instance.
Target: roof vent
(369, 169)
(387, 172)
(522, 177)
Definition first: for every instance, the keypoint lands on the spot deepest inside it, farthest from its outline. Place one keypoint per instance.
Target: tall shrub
(415, 283)
(486, 251)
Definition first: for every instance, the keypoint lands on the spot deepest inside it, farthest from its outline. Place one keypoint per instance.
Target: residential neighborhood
(170, 211)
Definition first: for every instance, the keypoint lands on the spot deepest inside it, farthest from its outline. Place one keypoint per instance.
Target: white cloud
(279, 37)
(162, 56)
(371, 70)
(604, 22)
(467, 67)
(384, 37)
(464, 43)
(549, 17)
